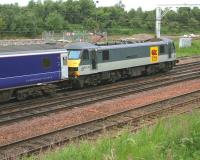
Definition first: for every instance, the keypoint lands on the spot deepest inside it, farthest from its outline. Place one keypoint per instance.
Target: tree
(150, 20)
(84, 15)
(54, 21)
(25, 23)
(90, 24)
(2, 24)
(71, 11)
(196, 13)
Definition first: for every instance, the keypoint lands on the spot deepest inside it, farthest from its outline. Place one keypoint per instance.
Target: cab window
(74, 54)
(85, 55)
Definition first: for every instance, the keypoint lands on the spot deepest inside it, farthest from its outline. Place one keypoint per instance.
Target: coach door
(94, 59)
(64, 66)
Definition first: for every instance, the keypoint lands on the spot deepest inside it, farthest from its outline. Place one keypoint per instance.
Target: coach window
(85, 55)
(105, 55)
(46, 63)
(162, 49)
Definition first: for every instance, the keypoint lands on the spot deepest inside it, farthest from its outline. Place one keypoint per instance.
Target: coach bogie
(36, 91)
(23, 94)
(5, 95)
(48, 89)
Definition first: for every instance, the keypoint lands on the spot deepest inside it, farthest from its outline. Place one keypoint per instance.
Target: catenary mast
(160, 14)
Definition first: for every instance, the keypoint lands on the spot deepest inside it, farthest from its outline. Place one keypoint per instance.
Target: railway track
(137, 117)
(14, 112)
(177, 70)
(21, 111)
(11, 114)
(188, 57)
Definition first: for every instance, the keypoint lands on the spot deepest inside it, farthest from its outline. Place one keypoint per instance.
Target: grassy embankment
(174, 139)
(190, 51)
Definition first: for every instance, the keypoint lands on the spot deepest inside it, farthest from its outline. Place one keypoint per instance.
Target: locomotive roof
(85, 45)
(130, 45)
(30, 49)
(148, 43)
(80, 46)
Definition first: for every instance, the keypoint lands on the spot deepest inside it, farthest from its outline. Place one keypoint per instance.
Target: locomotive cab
(74, 60)
(82, 58)
(78, 59)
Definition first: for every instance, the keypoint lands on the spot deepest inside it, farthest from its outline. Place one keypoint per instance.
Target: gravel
(189, 60)
(45, 124)
(21, 42)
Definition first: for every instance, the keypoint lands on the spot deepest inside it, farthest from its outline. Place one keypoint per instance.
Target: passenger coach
(30, 70)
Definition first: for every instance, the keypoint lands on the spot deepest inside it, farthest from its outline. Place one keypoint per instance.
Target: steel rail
(69, 103)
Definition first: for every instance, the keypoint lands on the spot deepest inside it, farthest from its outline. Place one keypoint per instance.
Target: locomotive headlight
(73, 71)
(77, 74)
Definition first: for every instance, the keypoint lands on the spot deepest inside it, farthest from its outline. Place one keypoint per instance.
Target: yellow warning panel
(73, 63)
(154, 54)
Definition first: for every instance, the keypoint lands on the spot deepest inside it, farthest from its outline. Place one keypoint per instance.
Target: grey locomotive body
(91, 64)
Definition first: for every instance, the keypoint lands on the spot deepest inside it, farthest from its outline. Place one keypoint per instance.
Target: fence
(185, 42)
(74, 36)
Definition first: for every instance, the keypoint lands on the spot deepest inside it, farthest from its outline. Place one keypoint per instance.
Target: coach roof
(34, 47)
(24, 50)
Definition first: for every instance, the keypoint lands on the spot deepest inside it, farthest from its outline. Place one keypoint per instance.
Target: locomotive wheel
(78, 84)
(113, 79)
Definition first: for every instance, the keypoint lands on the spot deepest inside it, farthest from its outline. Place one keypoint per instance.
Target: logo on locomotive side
(154, 54)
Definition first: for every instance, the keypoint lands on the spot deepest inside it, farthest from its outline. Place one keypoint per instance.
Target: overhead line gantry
(160, 14)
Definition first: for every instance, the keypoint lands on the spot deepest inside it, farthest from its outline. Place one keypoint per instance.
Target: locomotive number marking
(154, 54)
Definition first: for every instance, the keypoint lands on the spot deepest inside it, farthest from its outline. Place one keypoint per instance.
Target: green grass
(174, 139)
(190, 51)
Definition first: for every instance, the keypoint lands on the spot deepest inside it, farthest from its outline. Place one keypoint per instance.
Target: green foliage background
(80, 15)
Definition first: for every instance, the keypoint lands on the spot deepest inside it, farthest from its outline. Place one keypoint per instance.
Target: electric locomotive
(91, 64)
